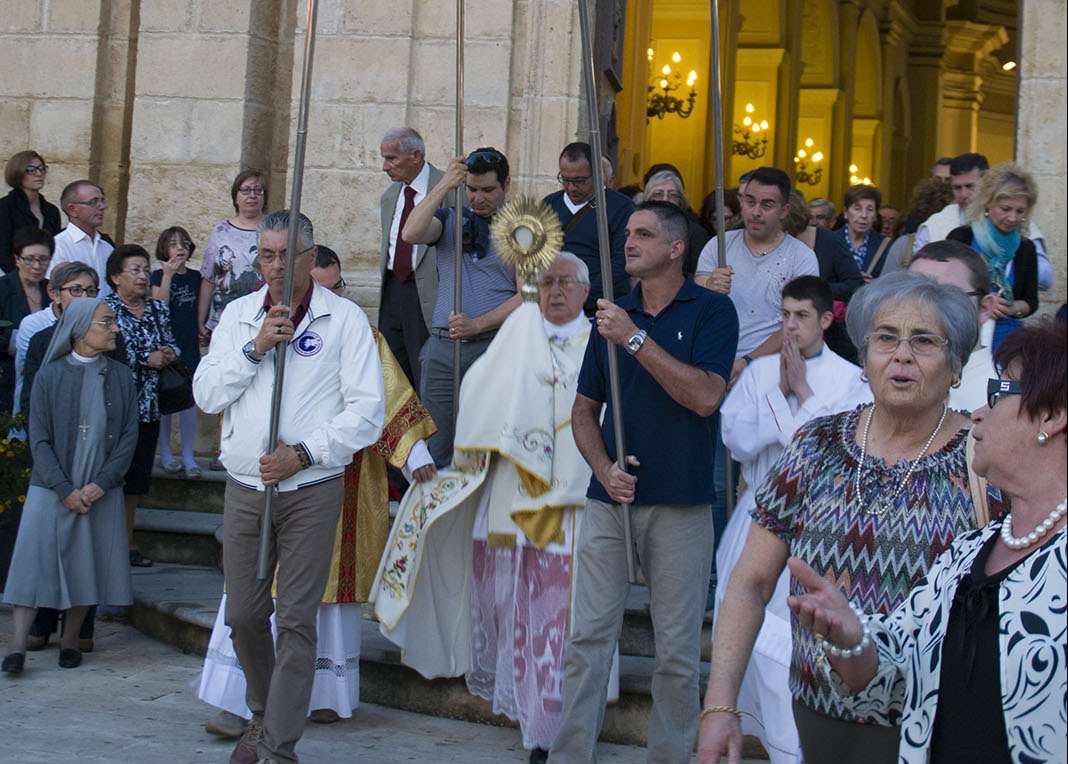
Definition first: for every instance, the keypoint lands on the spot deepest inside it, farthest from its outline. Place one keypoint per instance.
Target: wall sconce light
(807, 161)
(855, 179)
(750, 136)
(662, 86)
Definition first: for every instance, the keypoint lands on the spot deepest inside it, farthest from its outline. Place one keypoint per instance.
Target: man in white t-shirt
(84, 203)
(761, 259)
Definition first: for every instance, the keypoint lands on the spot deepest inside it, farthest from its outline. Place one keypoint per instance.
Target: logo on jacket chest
(308, 344)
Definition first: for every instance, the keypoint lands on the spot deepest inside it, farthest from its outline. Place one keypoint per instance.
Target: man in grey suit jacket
(409, 272)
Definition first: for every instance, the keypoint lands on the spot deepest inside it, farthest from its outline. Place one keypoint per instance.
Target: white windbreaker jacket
(332, 398)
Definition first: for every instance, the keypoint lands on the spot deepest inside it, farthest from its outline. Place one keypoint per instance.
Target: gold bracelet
(720, 710)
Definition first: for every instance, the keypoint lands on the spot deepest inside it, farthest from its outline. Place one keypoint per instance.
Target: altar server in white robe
(774, 396)
(477, 575)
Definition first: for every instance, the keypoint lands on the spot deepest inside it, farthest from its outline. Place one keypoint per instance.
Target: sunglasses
(492, 158)
(998, 388)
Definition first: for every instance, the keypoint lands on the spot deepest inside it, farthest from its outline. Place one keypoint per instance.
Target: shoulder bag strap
(878, 256)
(577, 217)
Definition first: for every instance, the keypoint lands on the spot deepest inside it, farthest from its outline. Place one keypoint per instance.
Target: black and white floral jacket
(1033, 606)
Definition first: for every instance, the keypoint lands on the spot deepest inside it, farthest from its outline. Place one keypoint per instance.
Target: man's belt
(443, 334)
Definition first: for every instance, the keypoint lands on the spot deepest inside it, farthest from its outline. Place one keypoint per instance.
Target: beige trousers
(279, 679)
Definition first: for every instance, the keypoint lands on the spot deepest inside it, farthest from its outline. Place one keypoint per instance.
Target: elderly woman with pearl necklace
(979, 643)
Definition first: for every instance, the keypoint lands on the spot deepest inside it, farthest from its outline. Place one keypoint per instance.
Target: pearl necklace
(904, 481)
(1034, 536)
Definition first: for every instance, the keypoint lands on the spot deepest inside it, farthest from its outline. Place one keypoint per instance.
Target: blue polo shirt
(674, 445)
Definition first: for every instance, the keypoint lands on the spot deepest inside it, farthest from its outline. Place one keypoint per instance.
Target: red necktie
(402, 251)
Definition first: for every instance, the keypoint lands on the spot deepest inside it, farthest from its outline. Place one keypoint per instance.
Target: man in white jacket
(332, 406)
(774, 397)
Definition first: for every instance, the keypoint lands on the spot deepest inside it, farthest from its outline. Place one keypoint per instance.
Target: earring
(863, 377)
(956, 383)
(986, 214)
(1043, 438)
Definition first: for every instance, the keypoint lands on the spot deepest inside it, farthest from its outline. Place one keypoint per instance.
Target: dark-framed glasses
(579, 180)
(998, 388)
(97, 202)
(919, 344)
(77, 290)
(251, 191)
(39, 260)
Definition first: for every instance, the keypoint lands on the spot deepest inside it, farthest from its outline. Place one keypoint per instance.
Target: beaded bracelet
(856, 650)
(720, 710)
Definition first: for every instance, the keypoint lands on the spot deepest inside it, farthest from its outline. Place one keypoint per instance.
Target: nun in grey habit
(70, 552)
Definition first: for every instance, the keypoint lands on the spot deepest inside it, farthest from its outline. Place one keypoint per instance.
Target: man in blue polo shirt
(676, 343)
(490, 291)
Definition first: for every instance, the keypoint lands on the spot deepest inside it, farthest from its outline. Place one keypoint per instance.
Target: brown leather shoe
(245, 750)
(324, 716)
(226, 724)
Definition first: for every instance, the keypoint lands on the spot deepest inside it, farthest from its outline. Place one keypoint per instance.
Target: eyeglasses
(135, 272)
(40, 260)
(254, 191)
(579, 181)
(919, 344)
(564, 282)
(492, 158)
(36, 169)
(107, 323)
(78, 290)
(267, 257)
(998, 388)
(662, 195)
(97, 202)
(339, 285)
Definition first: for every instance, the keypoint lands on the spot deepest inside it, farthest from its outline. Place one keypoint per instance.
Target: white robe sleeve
(825, 400)
(747, 422)
(418, 457)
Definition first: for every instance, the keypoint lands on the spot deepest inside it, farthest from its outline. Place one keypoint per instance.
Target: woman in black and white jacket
(972, 664)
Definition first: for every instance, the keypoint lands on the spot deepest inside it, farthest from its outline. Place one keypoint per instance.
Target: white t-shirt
(756, 287)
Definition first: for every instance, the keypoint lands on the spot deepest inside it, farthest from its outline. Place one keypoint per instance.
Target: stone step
(179, 536)
(195, 538)
(203, 494)
(177, 604)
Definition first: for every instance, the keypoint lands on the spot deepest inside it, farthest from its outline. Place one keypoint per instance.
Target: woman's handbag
(175, 390)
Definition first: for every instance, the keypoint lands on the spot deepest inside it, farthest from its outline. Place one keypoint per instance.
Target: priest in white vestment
(477, 576)
(774, 396)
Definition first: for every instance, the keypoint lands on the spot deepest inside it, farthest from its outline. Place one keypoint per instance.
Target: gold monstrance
(527, 236)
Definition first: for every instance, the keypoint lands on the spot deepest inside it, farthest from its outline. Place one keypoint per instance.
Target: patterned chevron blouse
(808, 500)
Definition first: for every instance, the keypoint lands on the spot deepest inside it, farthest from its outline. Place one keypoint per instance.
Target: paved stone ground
(133, 700)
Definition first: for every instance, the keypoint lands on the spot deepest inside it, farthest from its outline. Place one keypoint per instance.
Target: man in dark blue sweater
(574, 206)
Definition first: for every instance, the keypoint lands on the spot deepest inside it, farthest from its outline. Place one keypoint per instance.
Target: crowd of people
(896, 432)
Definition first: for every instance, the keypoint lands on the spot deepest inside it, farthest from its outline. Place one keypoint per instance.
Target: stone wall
(1040, 146)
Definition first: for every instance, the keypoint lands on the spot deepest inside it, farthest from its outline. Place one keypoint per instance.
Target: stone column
(1040, 146)
(967, 45)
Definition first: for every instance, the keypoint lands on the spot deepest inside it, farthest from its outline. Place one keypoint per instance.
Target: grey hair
(955, 310)
(279, 221)
(666, 176)
(406, 138)
(64, 273)
(582, 271)
(821, 202)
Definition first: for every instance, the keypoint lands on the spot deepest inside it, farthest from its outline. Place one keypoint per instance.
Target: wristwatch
(634, 344)
(251, 353)
(748, 359)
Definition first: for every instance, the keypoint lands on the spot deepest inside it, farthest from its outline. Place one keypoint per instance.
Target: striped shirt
(486, 282)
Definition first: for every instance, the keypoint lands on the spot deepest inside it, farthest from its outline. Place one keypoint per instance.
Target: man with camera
(490, 291)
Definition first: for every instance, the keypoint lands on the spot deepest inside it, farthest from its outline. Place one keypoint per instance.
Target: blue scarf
(998, 249)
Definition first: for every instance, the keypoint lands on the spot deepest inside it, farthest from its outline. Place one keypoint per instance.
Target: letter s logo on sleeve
(308, 344)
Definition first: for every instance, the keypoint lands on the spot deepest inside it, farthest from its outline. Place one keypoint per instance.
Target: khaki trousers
(674, 544)
(279, 679)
